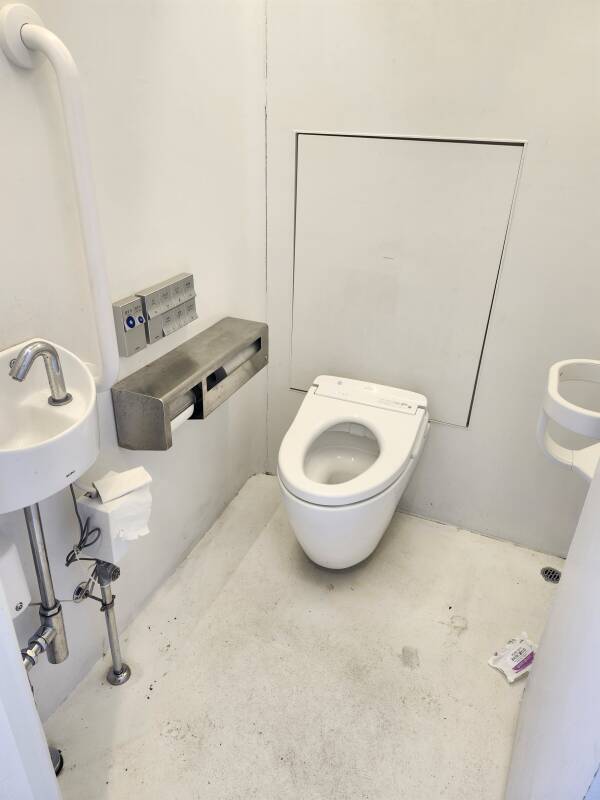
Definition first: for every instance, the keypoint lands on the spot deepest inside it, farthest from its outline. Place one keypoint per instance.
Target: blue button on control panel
(130, 323)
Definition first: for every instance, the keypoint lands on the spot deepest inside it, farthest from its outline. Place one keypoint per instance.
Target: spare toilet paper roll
(241, 357)
(118, 484)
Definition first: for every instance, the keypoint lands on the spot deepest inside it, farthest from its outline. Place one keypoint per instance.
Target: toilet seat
(396, 418)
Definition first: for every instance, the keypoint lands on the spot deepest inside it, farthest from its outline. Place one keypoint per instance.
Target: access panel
(398, 246)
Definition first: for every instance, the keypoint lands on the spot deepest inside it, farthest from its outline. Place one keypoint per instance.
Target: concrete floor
(259, 675)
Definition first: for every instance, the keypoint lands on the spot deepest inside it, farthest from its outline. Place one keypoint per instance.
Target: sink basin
(44, 448)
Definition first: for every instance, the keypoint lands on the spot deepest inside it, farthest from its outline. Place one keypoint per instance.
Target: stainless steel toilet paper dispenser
(203, 372)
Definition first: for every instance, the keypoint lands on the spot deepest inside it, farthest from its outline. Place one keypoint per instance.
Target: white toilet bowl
(344, 464)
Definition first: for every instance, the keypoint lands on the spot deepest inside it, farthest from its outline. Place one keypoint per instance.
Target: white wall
(556, 751)
(494, 70)
(26, 770)
(174, 94)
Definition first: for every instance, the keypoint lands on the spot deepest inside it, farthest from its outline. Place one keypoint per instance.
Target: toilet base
(338, 537)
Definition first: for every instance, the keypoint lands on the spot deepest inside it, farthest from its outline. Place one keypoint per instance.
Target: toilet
(344, 464)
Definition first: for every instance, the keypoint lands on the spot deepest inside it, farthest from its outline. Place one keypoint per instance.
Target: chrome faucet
(20, 366)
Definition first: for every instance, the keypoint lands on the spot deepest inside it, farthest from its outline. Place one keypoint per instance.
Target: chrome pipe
(58, 649)
(37, 645)
(111, 627)
(37, 540)
(51, 615)
(119, 672)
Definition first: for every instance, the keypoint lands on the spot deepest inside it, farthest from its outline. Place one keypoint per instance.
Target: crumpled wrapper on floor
(514, 659)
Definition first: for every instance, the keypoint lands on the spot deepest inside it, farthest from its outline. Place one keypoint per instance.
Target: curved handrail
(569, 415)
(37, 38)
(578, 419)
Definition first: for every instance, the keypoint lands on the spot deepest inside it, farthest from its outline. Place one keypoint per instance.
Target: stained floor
(257, 674)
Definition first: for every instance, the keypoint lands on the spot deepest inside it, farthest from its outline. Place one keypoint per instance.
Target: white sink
(44, 448)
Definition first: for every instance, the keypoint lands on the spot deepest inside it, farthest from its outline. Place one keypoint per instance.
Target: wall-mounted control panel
(160, 310)
(130, 322)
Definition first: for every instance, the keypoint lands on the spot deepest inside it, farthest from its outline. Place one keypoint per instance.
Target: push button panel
(168, 294)
(130, 325)
(155, 312)
(169, 306)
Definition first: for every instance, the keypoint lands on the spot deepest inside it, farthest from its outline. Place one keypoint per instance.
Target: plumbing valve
(106, 572)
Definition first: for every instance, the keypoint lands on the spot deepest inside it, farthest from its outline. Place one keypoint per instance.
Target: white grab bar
(578, 419)
(21, 32)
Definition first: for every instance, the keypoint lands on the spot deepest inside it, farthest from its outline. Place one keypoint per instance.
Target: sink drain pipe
(51, 635)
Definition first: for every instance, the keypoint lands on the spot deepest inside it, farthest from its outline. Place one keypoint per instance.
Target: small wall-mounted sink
(44, 448)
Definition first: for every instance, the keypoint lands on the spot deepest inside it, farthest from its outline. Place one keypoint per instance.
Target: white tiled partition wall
(461, 71)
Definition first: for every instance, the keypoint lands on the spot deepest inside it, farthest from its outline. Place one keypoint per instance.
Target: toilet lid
(398, 430)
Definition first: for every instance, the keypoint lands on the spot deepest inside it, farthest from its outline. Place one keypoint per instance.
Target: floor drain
(550, 574)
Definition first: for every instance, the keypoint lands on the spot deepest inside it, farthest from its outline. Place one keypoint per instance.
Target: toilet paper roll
(178, 421)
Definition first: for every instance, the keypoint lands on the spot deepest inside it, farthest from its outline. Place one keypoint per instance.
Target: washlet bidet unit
(344, 464)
